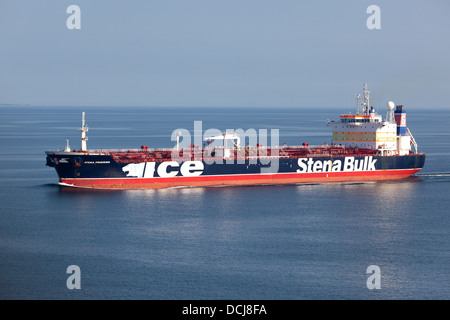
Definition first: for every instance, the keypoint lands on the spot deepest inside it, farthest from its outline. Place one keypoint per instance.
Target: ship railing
(125, 151)
(412, 139)
(283, 151)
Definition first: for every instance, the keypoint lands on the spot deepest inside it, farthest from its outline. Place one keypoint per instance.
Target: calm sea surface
(270, 242)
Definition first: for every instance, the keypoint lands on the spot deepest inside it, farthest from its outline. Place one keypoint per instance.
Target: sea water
(313, 241)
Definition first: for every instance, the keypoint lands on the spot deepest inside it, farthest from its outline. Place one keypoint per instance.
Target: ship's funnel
(400, 120)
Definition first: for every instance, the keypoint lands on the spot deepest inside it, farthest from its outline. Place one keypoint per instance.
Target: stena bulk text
(349, 164)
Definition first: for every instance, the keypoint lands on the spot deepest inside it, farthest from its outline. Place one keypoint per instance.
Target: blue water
(270, 242)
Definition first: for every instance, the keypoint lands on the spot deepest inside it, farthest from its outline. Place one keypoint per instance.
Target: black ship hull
(104, 172)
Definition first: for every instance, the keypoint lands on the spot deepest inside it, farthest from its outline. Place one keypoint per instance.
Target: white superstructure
(367, 130)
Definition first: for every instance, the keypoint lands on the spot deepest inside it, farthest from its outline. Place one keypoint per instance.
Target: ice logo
(134, 169)
(165, 169)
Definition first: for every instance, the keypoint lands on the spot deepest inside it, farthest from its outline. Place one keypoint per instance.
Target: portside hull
(102, 172)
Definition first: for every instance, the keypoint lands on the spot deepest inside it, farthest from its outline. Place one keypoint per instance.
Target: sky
(224, 53)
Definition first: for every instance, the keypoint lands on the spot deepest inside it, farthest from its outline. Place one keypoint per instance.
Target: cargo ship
(364, 147)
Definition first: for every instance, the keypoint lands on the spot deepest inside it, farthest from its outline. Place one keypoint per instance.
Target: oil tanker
(364, 147)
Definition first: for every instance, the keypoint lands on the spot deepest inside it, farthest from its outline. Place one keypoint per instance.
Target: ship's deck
(145, 154)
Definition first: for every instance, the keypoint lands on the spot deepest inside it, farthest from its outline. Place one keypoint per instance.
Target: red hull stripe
(244, 179)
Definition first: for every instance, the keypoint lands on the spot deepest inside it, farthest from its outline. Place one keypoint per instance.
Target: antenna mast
(363, 102)
(84, 128)
(358, 103)
(366, 102)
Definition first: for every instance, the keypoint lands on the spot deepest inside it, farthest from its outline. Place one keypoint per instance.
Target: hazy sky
(224, 53)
